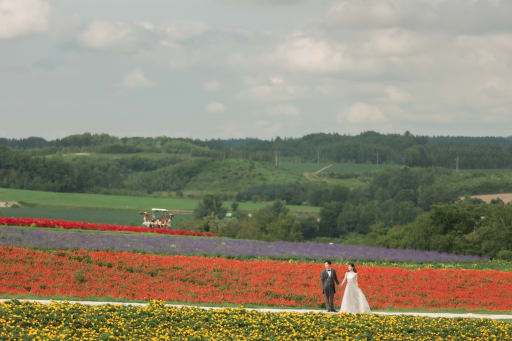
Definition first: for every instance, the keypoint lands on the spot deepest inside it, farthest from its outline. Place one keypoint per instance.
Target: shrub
(505, 255)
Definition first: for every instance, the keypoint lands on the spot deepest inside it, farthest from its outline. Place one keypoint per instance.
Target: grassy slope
(352, 175)
(236, 174)
(232, 175)
(337, 168)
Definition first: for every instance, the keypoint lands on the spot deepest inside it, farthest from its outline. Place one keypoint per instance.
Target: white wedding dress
(354, 300)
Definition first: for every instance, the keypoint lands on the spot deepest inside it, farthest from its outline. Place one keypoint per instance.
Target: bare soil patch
(8, 204)
(506, 197)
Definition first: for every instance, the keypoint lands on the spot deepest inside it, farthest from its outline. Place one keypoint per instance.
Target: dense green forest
(372, 188)
(245, 169)
(467, 227)
(368, 147)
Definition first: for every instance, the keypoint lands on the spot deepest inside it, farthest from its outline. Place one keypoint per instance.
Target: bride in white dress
(354, 300)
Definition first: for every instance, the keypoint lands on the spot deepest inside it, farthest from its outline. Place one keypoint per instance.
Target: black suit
(329, 288)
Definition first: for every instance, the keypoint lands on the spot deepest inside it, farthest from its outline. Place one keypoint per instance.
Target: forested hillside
(368, 147)
(366, 185)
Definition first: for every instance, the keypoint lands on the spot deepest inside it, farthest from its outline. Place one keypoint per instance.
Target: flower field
(126, 275)
(90, 240)
(66, 224)
(62, 321)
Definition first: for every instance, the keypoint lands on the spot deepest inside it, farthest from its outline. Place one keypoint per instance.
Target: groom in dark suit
(329, 282)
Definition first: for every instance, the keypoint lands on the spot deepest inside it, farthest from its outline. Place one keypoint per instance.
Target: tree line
(464, 227)
(467, 226)
(368, 147)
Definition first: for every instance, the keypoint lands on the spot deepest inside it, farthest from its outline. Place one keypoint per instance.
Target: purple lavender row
(218, 246)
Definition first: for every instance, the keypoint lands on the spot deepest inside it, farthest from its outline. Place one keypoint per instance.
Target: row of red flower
(67, 224)
(218, 280)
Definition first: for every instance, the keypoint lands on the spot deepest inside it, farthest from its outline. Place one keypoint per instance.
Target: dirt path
(8, 204)
(277, 310)
(307, 175)
(322, 169)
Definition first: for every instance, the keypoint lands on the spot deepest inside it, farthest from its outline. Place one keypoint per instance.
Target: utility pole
(457, 164)
(318, 156)
(276, 158)
(377, 157)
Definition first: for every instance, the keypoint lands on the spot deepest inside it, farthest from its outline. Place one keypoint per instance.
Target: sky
(255, 68)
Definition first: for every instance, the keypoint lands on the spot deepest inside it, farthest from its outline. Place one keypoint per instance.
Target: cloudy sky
(255, 68)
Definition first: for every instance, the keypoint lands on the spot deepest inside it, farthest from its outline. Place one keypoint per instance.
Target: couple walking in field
(353, 300)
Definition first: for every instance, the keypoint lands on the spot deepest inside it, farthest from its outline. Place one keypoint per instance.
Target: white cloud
(391, 42)
(147, 25)
(174, 31)
(309, 54)
(212, 86)
(136, 79)
(286, 110)
(421, 64)
(20, 17)
(231, 130)
(487, 51)
(268, 129)
(440, 16)
(276, 80)
(362, 113)
(364, 14)
(274, 89)
(215, 107)
(181, 30)
(267, 2)
(396, 95)
(320, 54)
(103, 34)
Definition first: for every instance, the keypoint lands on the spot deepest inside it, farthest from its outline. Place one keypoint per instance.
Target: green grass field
(351, 175)
(53, 199)
(359, 168)
(92, 215)
(84, 200)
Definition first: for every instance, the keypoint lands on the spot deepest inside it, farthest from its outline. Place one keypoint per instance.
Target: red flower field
(66, 224)
(219, 280)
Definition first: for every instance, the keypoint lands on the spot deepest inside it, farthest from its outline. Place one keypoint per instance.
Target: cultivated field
(84, 200)
(231, 277)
